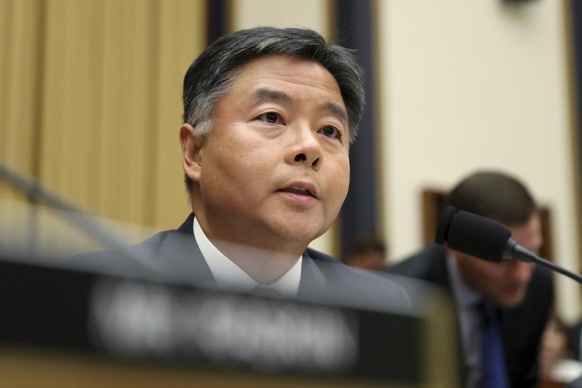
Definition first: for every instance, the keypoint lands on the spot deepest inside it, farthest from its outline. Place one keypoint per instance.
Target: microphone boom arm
(518, 252)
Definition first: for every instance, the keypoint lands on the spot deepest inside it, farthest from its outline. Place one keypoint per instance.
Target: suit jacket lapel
(439, 273)
(183, 260)
(312, 282)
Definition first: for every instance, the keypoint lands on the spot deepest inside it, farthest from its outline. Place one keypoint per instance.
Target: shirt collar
(467, 299)
(229, 275)
(465, 296)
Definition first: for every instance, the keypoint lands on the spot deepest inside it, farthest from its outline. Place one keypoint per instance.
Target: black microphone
(486, 239)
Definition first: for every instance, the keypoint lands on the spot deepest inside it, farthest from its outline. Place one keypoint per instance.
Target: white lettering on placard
(143, 320)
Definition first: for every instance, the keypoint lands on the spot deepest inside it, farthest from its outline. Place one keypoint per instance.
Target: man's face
(274, 171)
(505, 283)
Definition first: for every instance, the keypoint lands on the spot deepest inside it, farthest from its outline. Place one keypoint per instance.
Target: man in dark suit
(269, 116)
(520, 293)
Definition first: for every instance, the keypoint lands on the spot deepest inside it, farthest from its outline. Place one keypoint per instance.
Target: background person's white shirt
(467, 301)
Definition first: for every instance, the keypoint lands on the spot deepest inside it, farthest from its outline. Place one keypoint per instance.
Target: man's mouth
(301, 189)
(298, 190)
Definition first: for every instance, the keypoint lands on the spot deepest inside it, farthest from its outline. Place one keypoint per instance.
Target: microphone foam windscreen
(477, 236)
(443, 226)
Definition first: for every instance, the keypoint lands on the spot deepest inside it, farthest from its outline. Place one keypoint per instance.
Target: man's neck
(262, 265)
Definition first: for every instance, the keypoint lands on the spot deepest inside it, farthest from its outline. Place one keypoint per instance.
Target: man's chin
(303, 230)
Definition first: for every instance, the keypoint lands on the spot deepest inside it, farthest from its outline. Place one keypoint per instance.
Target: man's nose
(306, 147)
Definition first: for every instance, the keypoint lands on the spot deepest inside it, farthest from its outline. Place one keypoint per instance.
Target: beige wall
(468, 85)
(287, 13)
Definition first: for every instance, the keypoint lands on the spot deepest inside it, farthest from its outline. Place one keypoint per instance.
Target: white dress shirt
(467, 301)
(229, 275)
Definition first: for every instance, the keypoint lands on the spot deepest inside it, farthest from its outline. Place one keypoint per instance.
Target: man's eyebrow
(337, 110)
(264, 94)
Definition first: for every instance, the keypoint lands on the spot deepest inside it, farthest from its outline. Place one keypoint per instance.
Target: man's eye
(330, 131)
(271, 117)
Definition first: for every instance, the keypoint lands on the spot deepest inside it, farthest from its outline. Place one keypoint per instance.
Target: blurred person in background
(367, 252)
(502, 308)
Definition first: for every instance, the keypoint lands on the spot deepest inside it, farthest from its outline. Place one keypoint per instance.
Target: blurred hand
(553, 348)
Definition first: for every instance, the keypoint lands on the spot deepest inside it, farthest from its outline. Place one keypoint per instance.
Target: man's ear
(191, 151)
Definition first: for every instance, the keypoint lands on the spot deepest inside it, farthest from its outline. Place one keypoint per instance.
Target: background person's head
(506, 200)
(258, 104)
(367, 252)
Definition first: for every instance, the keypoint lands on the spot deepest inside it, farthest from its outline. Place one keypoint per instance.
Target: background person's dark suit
(174, 256)
(574, 341)
(521, 327)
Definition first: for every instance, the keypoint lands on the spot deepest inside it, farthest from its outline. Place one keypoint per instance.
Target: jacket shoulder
(421, 264)
(148, 259)
(360, 286)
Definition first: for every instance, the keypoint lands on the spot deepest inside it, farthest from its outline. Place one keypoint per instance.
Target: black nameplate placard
(127, 319)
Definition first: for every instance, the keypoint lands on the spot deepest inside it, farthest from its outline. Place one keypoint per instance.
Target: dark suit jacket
(573, 334)
(174, 256)
(522, 327)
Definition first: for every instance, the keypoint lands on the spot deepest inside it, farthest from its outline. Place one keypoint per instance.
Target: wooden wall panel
(181, 39)
(103, 105)
(91, 103)
(20, 24)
